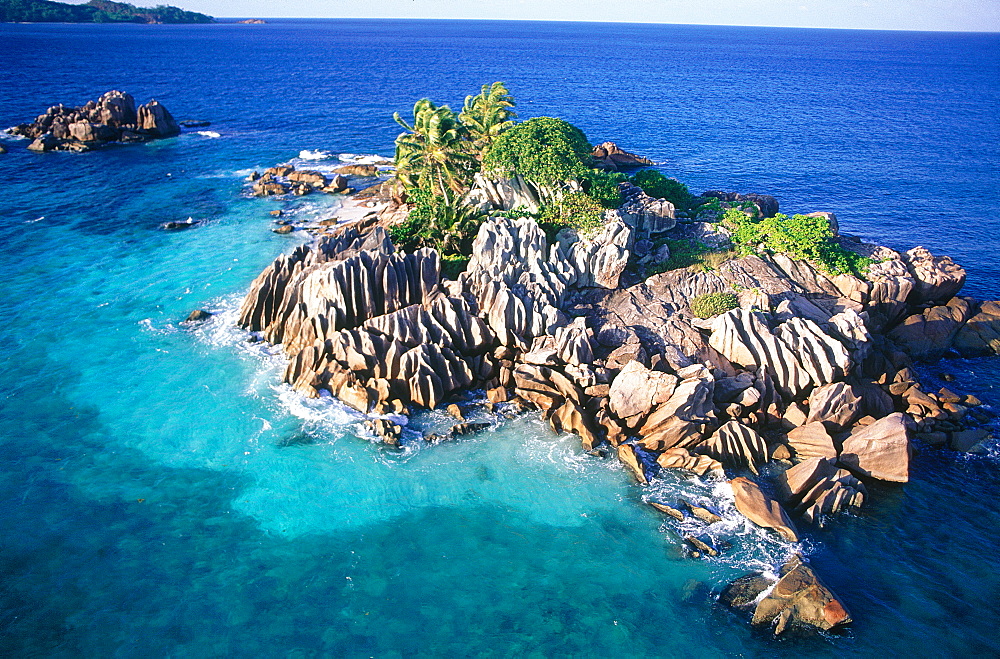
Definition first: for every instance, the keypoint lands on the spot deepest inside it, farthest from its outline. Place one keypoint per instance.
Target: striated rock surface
(880, 450)
(761, 509)
(368, 324)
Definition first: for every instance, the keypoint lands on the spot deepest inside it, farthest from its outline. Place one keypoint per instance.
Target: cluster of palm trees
(436, 160)
(441, 151)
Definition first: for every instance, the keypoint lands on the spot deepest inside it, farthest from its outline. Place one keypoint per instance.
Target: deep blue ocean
(161, 495)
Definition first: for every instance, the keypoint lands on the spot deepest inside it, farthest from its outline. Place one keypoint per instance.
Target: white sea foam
(317, 154)
(208, 133)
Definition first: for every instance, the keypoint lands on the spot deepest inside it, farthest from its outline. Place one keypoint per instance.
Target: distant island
(95, 11)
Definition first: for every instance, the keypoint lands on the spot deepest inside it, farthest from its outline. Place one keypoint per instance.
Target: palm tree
(486, 115)
(431, 155)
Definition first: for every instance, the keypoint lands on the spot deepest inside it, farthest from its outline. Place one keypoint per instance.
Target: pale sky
(961, 15)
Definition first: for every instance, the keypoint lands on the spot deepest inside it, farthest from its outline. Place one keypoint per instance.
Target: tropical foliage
(486, 115)
(574, 210)
(543, 150)
(440, 152)
(433, 156)
(800, 236)
(659, 186)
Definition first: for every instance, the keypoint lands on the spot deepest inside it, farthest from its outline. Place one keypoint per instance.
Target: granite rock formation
(112, 118)
(798, 396)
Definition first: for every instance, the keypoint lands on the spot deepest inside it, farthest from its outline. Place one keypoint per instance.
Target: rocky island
(113, 118)
(710, 333)
(94, 11)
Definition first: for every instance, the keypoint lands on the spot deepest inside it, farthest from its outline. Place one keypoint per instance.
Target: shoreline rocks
(798, 397)
(113, 118)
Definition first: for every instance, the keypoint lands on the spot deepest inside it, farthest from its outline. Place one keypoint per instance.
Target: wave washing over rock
(800, 396)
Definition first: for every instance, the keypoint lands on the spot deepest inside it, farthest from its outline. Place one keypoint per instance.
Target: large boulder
(926, 336)
(811, 441)
(880, 450)
(155, 120)
(981, 334)
(646, 215)
(610, 156)
(736, 446)
(761, 509)
(683, 419)
(637, 390)
(798, 601)
(936, 278)
(834, 404)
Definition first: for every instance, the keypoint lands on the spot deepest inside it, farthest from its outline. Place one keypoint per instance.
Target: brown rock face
(981, 335)
(799, 600)
(835, 404)
(112, 118)
(155, 120)
(610, 156)
(937, 278)
(761, 509)
(811, 441)
(881, 450)
(928, 335)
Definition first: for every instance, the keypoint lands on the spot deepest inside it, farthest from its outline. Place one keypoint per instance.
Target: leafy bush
(452, 265)
(712, 304)
(799, 236)
(603, 187)
(434, 221)
(544, 150)
(659, 186)
(575, 210)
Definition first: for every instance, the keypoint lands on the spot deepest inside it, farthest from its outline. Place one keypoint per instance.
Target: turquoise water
(164, 495)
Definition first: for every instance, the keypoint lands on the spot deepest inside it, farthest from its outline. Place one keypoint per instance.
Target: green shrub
(712, 304)
(799, 236)
(603, 187)
(452, 265)
(575, 210)
(434, 221)
(659, 186)
(544, 150)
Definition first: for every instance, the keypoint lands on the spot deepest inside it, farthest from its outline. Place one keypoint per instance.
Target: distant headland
(95, 11)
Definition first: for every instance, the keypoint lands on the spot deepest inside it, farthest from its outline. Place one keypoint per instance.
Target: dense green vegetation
(440, 153)
(95, 11)
(543, 150)
(659, 186)
(712, 304)
(799, 236)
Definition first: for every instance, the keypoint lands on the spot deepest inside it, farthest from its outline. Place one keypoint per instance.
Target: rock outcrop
(112, 118)
(797, 601)
(797, 396)
(610, 156)
(369, 325)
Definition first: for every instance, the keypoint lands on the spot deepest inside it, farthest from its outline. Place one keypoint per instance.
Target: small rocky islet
(111, 119)
(794, 384)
